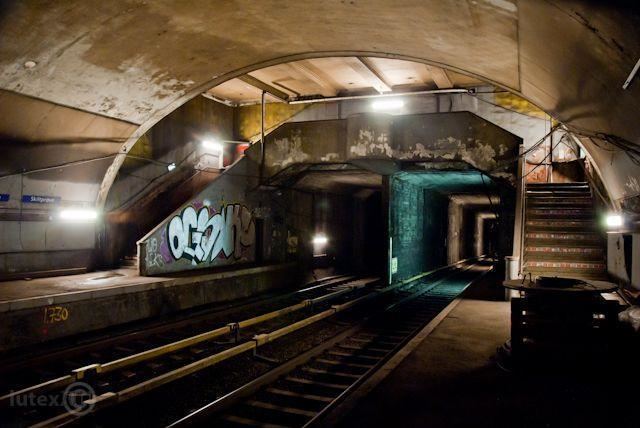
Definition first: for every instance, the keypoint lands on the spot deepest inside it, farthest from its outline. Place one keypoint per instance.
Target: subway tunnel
(310, 214)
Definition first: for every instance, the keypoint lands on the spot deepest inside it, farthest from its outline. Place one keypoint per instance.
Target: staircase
(561, 232)
(129, 262)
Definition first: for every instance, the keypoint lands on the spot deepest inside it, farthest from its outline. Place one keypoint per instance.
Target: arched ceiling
(135, 61)
(328, 77)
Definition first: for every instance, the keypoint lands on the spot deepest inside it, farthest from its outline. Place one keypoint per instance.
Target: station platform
(453, 378)
(39, 310)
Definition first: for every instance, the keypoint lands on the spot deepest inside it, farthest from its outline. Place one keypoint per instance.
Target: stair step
(564, 183)
(551, 196)
(601, 275)
(565, 265)
(573, 235)
(563, 249)
(566, 243)
(546, 225)
(559, 185)
(554, 203)
(538, 193)
(535, 251)
(561, 212)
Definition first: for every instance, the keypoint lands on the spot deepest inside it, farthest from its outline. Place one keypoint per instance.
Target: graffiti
(153, 258)
(205, 235)
(54, 314)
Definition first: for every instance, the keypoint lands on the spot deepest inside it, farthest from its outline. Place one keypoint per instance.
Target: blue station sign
(37, 199)
(4, 197)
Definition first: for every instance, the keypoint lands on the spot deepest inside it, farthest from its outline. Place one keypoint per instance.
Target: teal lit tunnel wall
(422, 213)
(418, 228)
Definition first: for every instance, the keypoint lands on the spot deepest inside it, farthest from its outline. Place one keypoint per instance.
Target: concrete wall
(145, 191)
(188, 238)
(60, 154)
(418, 225)
(218, 227)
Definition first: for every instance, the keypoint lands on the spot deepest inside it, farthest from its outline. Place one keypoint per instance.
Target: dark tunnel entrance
(440, 218)
(406, 223)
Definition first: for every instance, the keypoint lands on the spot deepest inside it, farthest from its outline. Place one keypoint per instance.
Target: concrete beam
(366, 69)
(317, 76)
(256, 83)
(440, 77)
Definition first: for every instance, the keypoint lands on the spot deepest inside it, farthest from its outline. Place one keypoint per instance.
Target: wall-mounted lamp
(78, 214)
(217, 148)
(614, 220)
(320, 239)
(387, 104)
(171, 166)
(213, 146)
(320, 242)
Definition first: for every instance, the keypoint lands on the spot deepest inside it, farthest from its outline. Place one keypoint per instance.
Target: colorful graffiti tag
(206, 235)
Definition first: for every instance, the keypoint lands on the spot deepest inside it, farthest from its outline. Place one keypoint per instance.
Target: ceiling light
(30, 64)
(212, 145)
(389, 104)
(614, 220)
(78, 214)
(320, 239)
(171, 166)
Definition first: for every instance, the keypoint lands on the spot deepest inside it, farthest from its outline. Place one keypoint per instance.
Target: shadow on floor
(452, 380)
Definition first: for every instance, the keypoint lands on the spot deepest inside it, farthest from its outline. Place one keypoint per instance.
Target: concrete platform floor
(45, 309)
(37, 287)
(452, 380)
(22, 293)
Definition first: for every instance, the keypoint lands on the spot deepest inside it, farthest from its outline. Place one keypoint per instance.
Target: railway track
(355, 343)
(122, 361)
(29, 367)
(302, 392)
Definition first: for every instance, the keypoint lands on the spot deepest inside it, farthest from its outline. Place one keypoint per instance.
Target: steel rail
(98, 368)
(110, 398)
(254, 386)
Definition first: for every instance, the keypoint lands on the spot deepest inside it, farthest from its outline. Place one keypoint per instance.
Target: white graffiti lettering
(201, 238)
(153, 259)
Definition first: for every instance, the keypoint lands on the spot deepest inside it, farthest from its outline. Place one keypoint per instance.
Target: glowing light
(212, 145)
(78, 214)
(614, 220)
(320, 240)
(389, 104)
(171, 166)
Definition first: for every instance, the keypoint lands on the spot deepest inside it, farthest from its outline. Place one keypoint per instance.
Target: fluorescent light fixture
(171, 166)
(614, 220)
(78, 214)
(212, 145)
(320, 239)
(387, 104)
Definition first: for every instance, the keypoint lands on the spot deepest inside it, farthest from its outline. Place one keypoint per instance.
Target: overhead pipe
(386, 95)
(262, 148)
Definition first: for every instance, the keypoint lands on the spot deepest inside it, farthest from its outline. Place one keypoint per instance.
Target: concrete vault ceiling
(134, 61)
(338, 76)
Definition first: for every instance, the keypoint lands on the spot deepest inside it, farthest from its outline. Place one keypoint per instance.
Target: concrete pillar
(453, 236)
(386, 220)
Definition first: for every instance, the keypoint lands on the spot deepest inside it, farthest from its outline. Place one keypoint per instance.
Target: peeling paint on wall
(330, 157)
(482, 156)
(371, 143)
(287, 151)
(632, 186)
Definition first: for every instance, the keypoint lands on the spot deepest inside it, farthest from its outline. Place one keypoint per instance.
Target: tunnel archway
(547, 52)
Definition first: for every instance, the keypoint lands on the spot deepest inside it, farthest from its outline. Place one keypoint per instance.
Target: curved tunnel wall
(135, 62)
